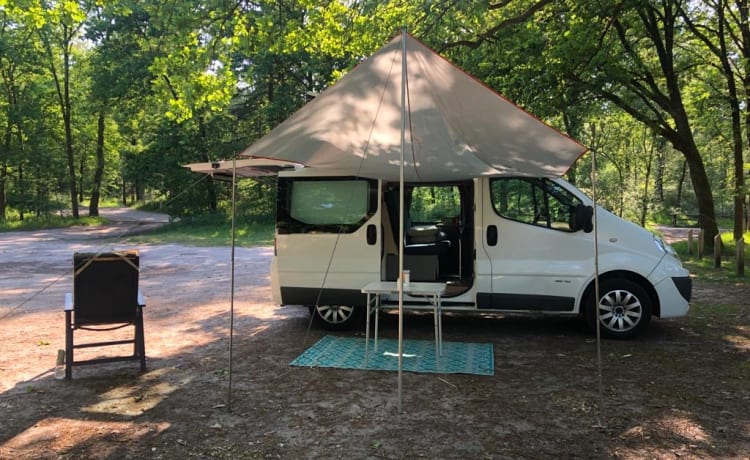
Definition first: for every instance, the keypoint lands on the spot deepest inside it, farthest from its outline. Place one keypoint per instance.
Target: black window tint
(534, 201)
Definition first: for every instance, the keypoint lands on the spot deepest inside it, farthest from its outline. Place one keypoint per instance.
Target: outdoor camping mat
(419, 356)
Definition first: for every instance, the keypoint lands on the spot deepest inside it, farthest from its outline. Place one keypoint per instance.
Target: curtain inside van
(329, 202)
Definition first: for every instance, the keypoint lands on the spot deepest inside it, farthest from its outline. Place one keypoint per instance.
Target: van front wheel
(335, 317)
(624, 309)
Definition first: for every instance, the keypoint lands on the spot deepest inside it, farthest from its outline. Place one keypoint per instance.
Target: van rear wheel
(335, 317)
(624, 309)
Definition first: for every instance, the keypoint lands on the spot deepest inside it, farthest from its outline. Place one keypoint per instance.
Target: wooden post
(717, 251)
(699, 252)
(690, 243)
(740, 259)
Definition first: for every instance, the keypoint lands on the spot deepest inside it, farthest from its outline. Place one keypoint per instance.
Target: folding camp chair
(105, 297)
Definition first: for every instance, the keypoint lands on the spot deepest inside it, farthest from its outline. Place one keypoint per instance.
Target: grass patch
(208, 231)
(703, 268)
(212, 230)
(715, 312)
(53, 221)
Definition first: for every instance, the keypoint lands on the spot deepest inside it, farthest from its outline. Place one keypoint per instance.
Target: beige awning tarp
(457, 128)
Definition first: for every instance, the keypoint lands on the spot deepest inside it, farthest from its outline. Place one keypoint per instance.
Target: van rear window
(325, 205)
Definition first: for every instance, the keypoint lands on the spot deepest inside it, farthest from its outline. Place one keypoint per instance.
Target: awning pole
(231, 295)
(596, 286)
(401, 221)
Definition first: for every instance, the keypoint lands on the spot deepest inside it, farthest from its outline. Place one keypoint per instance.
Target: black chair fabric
(105, 293)
(105, 287)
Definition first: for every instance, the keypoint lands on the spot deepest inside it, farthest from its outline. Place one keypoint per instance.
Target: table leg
(437, 333)
(367, 329)
(440, 323)
(435, 312)
(377, 320)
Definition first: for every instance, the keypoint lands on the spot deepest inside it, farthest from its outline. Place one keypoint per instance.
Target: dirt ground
(680, 391)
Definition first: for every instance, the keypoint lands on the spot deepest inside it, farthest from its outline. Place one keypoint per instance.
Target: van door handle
(372, 234)
(491, 235)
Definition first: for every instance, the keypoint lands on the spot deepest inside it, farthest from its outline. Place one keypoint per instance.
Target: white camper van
(501, 244)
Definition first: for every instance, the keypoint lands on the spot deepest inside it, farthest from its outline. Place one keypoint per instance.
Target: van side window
(325, 205)
(534, 201)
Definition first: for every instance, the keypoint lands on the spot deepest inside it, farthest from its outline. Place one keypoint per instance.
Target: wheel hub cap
(620, 310)
(334, 313)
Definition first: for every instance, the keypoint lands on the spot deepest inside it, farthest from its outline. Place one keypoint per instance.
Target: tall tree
(646, 81)
(710, 22)
(59, 25)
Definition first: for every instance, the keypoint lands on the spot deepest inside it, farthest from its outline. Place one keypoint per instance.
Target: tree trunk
(703, 195)
(681, 183)
(67, 115)
(63, 95)
(661, 27)
(722, 53)
(698, 177)
(742, 5)
(661, 167)
(572, 128)
(81, 172)
(3, 181)
(4, 170)
(21, 192)
(644, 198)
(739, 175)
(213, 204)
(99, 171)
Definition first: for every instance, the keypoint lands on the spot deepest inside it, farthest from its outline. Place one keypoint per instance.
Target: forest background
(107, 100)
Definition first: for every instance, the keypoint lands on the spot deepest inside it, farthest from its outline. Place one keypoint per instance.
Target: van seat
(423, 267)
(426, 240)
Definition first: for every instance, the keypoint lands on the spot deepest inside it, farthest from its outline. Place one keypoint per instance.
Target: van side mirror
(583, 218)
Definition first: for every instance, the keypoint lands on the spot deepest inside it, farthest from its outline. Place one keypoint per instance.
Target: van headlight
(664, 247)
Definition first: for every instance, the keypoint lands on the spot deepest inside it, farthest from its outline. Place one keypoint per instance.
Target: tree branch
(490, 33)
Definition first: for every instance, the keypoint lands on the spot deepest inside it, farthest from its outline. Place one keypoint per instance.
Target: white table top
(413, 288)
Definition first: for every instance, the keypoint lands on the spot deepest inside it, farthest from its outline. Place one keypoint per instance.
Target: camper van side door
(327, 244)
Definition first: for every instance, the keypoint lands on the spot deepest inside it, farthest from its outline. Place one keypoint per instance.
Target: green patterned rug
(419, 356)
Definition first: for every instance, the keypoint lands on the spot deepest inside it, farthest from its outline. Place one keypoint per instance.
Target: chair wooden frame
(105, 297)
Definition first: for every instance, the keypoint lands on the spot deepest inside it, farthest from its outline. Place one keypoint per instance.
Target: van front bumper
(684, 285)
(674, 293)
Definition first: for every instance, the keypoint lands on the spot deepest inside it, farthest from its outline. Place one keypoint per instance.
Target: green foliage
(211, 230)
(435, 204)
(13, 224)
(201, 80)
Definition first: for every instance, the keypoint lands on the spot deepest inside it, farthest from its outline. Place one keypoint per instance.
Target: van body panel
(482, 260)
(326, 260)
(314, 257)
(275, 284)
